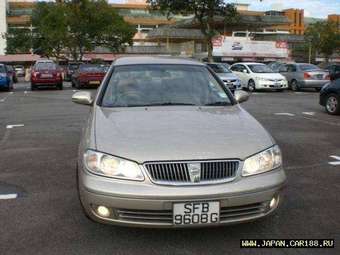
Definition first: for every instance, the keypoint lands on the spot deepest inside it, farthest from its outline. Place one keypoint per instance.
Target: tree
(324, 37)
(73, 27)
(204, 12)
(50, 33)
(18, 40)
(95, 23)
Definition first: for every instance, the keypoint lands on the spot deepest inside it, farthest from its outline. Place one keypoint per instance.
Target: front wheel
(251, 86)
(294, 85)
(333, 104)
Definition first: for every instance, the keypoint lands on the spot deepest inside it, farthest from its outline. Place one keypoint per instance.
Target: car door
(284, 71)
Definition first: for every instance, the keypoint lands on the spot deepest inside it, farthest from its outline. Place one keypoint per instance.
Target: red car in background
(88, 75)
(46, 74)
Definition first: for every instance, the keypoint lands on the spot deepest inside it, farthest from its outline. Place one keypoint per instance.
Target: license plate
(46, 75)
(95, 82)
(192, 213)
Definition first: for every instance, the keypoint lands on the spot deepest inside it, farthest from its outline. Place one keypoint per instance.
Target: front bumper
(145, 204)
(271, 85)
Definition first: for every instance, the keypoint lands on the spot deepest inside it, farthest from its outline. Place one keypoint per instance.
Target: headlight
(110, 166)
(262, 162)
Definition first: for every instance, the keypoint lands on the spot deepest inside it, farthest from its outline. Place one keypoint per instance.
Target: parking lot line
(335, 163)
(309, 113)
(284, 114)
(8, 196)
(14, 126)
(5, 98)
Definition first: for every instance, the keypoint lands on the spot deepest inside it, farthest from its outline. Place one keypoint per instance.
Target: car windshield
(73, 66)
(218, 68)
(45, 66)
(2, 69)
(90, 69)
(260, 69)
(160, 85)
(307, 67)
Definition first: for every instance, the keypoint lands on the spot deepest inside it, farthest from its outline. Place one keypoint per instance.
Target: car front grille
(180, 173)
(165, 217)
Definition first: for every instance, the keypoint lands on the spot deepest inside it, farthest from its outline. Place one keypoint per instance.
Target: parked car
(275, 65)
(71, 68)
(46, 74)
(304, 75)
(334, 70)
(88, 75)
(167, 145)
(20, 70)
(6, 81)
(12, 73)
(227, 76)
(330, 97)
(256, 76)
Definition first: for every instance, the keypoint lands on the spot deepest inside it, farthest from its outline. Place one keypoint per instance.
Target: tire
(251, 86)
(294, 85)
(33, 87)
(333, 104)
(60, 86)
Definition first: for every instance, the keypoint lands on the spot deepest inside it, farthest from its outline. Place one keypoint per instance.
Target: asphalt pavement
(40, 212)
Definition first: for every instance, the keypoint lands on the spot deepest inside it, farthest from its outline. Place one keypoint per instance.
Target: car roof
(147, 60)
(249, 63)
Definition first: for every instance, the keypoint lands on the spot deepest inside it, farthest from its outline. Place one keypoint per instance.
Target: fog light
(273, 202)
(103, 211)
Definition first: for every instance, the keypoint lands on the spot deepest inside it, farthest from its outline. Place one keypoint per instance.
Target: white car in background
(256, 76)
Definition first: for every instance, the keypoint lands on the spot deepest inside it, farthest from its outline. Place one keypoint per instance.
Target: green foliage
(73, 27)
(324, 37)
(18, 40)
(204, 12)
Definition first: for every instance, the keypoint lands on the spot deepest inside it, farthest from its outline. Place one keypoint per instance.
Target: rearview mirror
(83, 97)
(241, 96)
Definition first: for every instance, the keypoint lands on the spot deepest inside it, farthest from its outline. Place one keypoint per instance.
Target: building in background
(3, 25)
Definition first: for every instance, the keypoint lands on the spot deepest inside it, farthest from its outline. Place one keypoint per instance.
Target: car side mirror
(83, 97)
(241, 96)
(244, 71)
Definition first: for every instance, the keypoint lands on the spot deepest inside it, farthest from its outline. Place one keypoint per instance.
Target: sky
(313, 8)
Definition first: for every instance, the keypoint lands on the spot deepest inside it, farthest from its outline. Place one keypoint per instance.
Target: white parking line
(284, 114)
(5, 98)
(8, 196)
(309, 113)
(14, 126)
(335, 163)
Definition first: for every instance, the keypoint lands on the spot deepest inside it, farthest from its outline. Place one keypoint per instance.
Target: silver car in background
(231, 80)
(167, 145)
(304, 75)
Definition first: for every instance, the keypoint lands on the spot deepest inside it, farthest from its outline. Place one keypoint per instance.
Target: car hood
(179, 133)
(269, 75)
(229, 76)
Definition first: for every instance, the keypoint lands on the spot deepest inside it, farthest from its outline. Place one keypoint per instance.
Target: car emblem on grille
(194, 172)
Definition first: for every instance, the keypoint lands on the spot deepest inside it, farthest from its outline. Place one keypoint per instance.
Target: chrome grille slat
(177, 173)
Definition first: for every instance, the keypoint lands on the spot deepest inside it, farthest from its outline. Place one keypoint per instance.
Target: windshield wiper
(217, 104)
(167, 103)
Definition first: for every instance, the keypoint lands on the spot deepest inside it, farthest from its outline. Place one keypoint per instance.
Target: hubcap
(332, 104)
(251, 86)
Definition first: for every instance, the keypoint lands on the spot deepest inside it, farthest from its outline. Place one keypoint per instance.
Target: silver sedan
(168, 145)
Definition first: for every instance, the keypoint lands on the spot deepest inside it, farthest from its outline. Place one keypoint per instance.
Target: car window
(45, 66)
(219, 68)
(291, 68)
(148, 85)
(2, 69)
(256, 68)
(90, 68)
(308, 67)
(283, 68)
